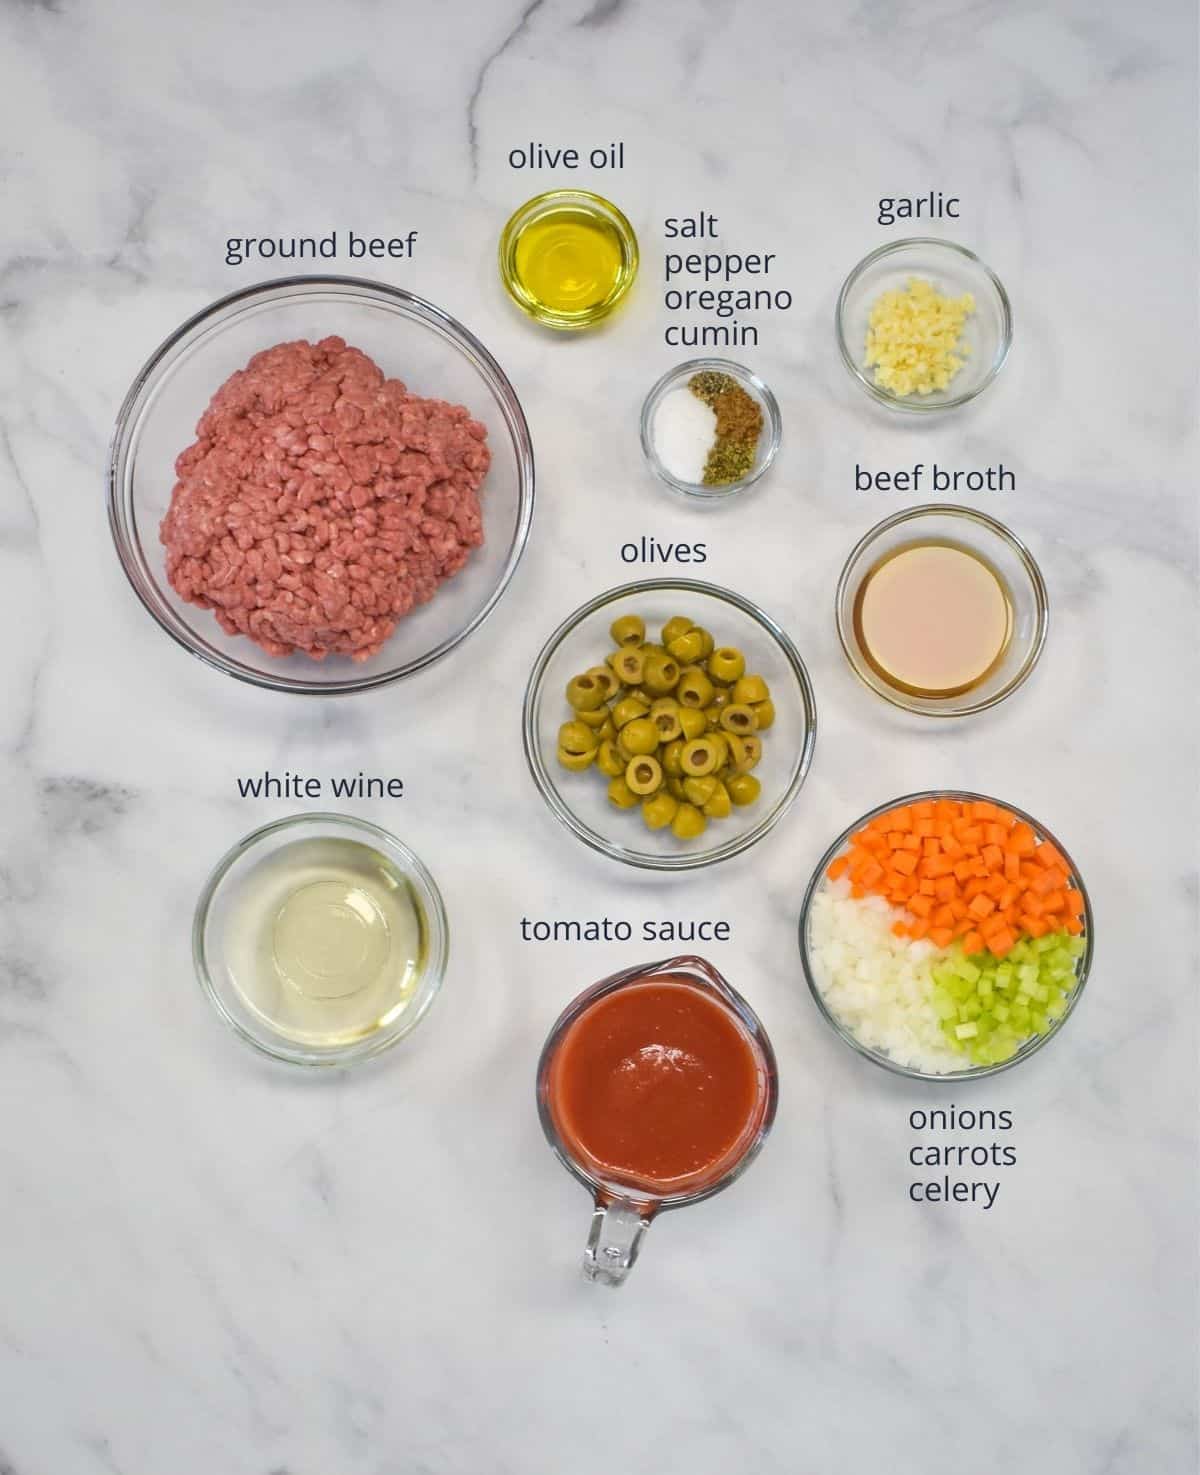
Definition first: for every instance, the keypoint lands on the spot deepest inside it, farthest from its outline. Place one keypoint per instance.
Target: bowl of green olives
(669, 723)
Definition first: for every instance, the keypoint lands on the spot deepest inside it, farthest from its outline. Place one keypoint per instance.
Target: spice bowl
(952, 270)
(993, 545)
(822, 953)
(657, 455)
(579, 800)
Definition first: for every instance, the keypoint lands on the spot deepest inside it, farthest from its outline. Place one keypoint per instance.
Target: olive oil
(326, 941)
(934, 619)
(567, 258)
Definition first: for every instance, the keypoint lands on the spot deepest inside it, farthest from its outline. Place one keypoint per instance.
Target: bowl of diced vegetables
(946, 936)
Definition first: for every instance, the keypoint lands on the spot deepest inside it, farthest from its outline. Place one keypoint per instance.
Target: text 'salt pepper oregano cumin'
(739, 425)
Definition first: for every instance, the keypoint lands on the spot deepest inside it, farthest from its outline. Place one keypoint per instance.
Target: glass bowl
(579, 800)
(941, 522)
(768, 440)
(973, 1072)
(409, 339)
(220, 930)
(953, 270)
(576, 203)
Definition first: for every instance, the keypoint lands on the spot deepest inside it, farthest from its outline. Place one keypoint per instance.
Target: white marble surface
(210, 1265)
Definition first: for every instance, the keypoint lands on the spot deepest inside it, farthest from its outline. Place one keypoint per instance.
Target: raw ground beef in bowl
(321, 501)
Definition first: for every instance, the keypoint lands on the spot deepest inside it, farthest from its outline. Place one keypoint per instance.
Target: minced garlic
(914, 338)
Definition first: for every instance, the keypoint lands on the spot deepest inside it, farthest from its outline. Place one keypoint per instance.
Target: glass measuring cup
(625, 1201)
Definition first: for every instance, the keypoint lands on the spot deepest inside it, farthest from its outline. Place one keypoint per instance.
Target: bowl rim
(437, 924)
(138, 397)
(974, 1072)
(908, 405)
(539, 204)
(684, 861)
(696, 491)
(1041, 599)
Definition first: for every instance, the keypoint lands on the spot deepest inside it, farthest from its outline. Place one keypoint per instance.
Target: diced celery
(966, 1031)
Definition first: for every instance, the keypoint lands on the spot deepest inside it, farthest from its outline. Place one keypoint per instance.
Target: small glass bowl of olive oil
(567, 258)
(320, 939)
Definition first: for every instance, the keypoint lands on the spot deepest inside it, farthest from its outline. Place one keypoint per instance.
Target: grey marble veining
(213, 1266)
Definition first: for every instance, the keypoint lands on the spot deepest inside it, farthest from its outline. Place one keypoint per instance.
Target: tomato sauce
(658, 1086)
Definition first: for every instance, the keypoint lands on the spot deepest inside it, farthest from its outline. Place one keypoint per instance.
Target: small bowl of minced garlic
(710, 429)
(923, 325)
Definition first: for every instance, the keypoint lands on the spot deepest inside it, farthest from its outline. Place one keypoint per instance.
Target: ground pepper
(739, 425)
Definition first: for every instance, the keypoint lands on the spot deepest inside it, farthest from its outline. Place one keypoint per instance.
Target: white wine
(326, 941)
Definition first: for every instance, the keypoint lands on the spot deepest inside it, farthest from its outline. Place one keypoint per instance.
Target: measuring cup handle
(614, 1241)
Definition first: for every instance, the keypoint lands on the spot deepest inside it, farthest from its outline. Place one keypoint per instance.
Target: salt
(684, 430)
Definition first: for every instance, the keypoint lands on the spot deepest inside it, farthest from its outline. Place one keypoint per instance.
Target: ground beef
(321, 502)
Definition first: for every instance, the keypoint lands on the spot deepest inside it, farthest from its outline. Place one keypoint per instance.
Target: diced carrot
(993, 856)
(927, 887)
(858, 892)
(923, 827)
(972, 943)
(1053, 878)
(900, 929)
(991, 925)
(904, 861)
(912, 842)
(1008, 894)
(895, 838)
(973, 888)
(1021, 839)
(951, 845)
(1000, 943)
(1055, 902)
(1074, 926)
(982, 905)
(1048, 855)
(930, 848)
(983, 809)
(994, 834)
(944, 917)
(838, 867)
(963, 871)
(1075, 902)
(919, 929)
(944, 887)
(1034, 925)
(942, 936)
(871, 873)
(923, 809)
(1012, 866)
(920, 906)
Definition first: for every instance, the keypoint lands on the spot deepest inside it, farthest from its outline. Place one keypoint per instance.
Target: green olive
(627, 709)
(664, 713)
(675, 627)
(726, 665)
(608, 760)
(575, 737)
(659, 811)
(750, 689)
(688, 823)
(688, 648)
(693, 722)
(720, 742)
(699, 790)
(595, 720)
(694, 689)
(700, 756)
(639, 736)
(620, 794)
(765, 714)
(661, 673)
(670, 757)
(628, 630)
(706, 640)
(644, 775)
(719, 804)
(607, 729)
(585, 693)
(607, 678)
(738, 718)
(744, 788)
(674, 787)
(751, 748)
(628, 665)
(576, 762)
(738, 756)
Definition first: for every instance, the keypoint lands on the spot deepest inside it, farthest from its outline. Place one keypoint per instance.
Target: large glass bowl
(580, 800)
(962, 527)
(409, 339)
(216, 923)
(953, 270)
(972, 1072)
